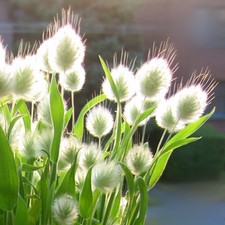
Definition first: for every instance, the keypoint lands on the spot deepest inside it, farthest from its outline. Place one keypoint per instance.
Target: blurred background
(192, 189)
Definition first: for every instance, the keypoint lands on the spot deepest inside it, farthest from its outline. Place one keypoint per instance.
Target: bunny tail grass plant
(49, 173)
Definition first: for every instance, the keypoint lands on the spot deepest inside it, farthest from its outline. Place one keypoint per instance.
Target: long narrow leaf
(159, 166)
(21, 217)
(190, 129)
(57, 115)
(78, 128)
(86, 197)
(110, 79)
(143, 202)
(8, 175)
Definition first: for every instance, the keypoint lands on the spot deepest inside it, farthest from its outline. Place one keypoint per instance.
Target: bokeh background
(197, 29)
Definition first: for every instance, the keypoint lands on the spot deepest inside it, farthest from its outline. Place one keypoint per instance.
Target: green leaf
(34, 212)
(109, 208)
(161, 160)
(116, 205)
(143, 202)
(128, 136)
(22, 107)
(86, 197)
(13, 122)
(78, 128)
(67, 118)
(130, 180)
(189, 129)
(8, 175)
(110, 79)
(57, 115)
(68, 183)
(21, 217)
(30, 168)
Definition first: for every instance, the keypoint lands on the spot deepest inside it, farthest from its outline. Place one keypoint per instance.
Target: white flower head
(17, 134)
(189, 103)
(69, 149)
(27, 82)
(106, 176)
(99, 121)
(73, 80)
(165, 117)
(124, 80)
(42, 55)
(89, 155)
(29, 146)
(44, 139)
(153, 79)
(133, 109)
(64, 210)
(66, 49)
(43, 110)
(5, 80)
(139, 159)
(80, 176)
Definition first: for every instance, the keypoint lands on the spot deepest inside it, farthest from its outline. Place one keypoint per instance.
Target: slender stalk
(161, 140)
(117, 131)
(143, 133)
(99, 142)
(73, 107)
(9, 220)
(13, 106)
(32, 111)
(62, 92)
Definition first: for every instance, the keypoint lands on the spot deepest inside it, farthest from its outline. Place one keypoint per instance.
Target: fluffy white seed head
(153, 79)
(99, 121)
(44, 139)
(29, 146)
(133, 109)
(89, 155)
(42, 55)
(73, 80)
(64, 210)
(165, 117)
(27, 82)
(190, 103)
(124, 80)
(106, 176)
(5, 80)
(66, 49)
(139, 159)
(80, 176)
(17, 134)
(43, 110)
(69, 149)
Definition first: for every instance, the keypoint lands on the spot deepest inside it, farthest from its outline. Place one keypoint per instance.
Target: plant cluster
(50, 174)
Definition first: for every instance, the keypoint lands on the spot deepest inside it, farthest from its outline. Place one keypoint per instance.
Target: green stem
(9, 219)
(161, 140)
(32, 112)
(73, 107)
(117, 131)
(99, 142)
(143, 133)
